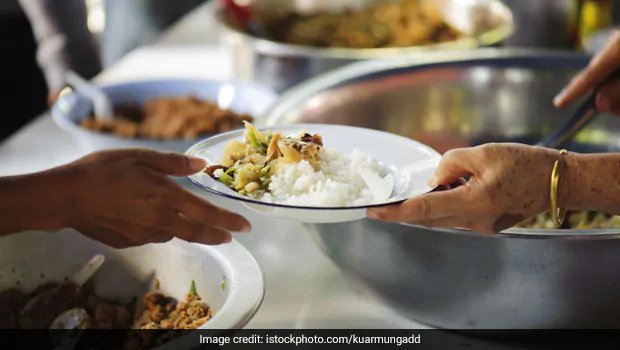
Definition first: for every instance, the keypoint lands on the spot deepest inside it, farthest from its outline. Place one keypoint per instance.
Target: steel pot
(280, 66)
(521, 278)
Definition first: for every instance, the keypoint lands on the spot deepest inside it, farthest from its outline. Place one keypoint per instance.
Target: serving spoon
(101, 103)
(585, 113)
(63, 326)
(78, 317)
(78, 279)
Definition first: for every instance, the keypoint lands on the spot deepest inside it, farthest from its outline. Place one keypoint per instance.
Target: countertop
(303, 288)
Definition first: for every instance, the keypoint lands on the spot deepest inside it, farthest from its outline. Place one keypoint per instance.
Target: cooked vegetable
(192, 288)
(578, 220)
(247, 166)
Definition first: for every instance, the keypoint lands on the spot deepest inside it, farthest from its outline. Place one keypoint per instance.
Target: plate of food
(314, 173)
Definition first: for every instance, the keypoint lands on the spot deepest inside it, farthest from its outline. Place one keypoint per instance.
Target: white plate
(411, 163)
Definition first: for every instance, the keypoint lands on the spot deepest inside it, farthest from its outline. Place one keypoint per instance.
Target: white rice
(341, 180)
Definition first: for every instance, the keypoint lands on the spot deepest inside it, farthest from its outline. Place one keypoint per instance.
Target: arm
(121, 198)
(64, 39)
(591, 182)
(33, 202)
(509, 182)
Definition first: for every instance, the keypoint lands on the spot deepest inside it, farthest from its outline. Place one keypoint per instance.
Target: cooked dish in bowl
(51, 303)
(167, 118)
(397, 24)
(300, 170)
(578, 220)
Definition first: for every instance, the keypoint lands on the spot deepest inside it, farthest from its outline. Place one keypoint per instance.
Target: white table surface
(303, 288)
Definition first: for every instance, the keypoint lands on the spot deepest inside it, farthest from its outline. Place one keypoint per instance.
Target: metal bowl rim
(322, 82)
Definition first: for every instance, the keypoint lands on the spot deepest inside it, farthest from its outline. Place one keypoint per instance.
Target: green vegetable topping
(226, 179)
(255, 138)
(223, 283)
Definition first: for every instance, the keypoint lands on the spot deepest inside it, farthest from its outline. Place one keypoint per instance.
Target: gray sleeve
(64, 41)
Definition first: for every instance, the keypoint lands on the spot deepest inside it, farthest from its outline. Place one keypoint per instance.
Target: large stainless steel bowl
(280, 66)
(452, 278)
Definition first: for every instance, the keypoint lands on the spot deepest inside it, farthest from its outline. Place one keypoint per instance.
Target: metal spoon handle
(582, 116)
(88, 270)
(101, 103)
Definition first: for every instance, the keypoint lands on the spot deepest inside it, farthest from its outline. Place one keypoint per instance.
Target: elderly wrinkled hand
(508, 182)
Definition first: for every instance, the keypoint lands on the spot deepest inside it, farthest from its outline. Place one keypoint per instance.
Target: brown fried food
(169, 118)
(162, 312)
(106, 315)
(158, 312)
(51, 300)
(400, 24)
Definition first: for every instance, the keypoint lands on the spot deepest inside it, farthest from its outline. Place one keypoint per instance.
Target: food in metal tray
(577, 220)
(400, 24)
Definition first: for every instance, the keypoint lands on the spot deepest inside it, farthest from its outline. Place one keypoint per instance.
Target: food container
(522, 278)
(548, 24)
(240, 97)
(280, 66)
(227, 277)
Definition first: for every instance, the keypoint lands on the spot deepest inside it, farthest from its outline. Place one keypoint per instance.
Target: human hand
(52, 97)
(598, 74)
(509, 182)
(125, 198)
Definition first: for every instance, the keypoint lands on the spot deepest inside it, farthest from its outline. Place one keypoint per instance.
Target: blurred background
(41, 39)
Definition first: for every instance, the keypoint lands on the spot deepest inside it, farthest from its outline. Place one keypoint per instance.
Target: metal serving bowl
(280, 66)
(522, 278)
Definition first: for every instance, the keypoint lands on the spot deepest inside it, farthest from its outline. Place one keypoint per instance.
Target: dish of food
(156, 311)
(300, 170)
(397, 24)
(166, 118)
(315, 173)
(576, 220)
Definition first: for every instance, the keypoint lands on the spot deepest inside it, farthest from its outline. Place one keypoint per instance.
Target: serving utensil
(579, 119)
(79, 279)
(64, 325)
(78, 317)
(101, 103)
(585, 113)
